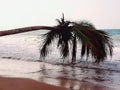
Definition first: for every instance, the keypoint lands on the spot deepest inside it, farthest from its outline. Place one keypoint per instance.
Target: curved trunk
(25, 29)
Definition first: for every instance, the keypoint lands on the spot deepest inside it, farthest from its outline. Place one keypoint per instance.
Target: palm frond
(62, 20)
(64, 49)
(58, 21)
(86, 25)
(63, 42)
(107, 40)
(74, 48)
(94, 42)
(49, 37)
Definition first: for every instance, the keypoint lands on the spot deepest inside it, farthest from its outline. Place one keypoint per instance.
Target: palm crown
(95, 43)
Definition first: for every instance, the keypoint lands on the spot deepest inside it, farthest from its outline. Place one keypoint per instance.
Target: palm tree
(94, 42)
(25, 29)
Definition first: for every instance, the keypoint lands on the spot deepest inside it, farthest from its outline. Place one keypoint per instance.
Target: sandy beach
(25, 84)
(24, 75)
(29, 84)
(16, 78)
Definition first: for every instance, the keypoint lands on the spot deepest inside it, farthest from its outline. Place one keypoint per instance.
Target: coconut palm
(24, 29)
(94, 42)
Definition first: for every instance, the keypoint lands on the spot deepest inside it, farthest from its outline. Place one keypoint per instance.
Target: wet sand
(29, 84)
(52, 77)
(25, 84)
(83, 85)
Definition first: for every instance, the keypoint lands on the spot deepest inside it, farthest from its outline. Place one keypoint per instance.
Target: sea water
(26, 46)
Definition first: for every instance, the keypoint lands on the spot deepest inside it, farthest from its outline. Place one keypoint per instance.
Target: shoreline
(25, 84)
(13, 83)
(18, 73)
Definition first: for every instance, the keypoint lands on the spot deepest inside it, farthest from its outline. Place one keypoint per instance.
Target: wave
(116, 40)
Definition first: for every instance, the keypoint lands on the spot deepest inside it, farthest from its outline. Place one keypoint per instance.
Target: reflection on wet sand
(74, 78)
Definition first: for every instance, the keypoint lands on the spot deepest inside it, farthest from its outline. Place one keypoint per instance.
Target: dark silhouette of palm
(95, 43)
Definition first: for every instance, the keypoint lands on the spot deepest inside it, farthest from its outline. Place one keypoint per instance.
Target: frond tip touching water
(94, 42)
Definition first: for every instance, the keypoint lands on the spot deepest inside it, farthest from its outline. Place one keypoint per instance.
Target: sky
(104, 14)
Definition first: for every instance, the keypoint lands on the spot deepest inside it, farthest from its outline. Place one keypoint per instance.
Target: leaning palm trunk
(25, 29)
(95, 43)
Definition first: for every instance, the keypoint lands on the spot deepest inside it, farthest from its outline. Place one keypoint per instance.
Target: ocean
(26, 46)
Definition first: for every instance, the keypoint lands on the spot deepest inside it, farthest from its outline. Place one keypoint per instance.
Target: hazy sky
(20, 13)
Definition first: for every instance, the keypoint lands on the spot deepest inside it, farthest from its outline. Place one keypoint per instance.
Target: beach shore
(29, 84)
(25, 84)
(24, 75)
